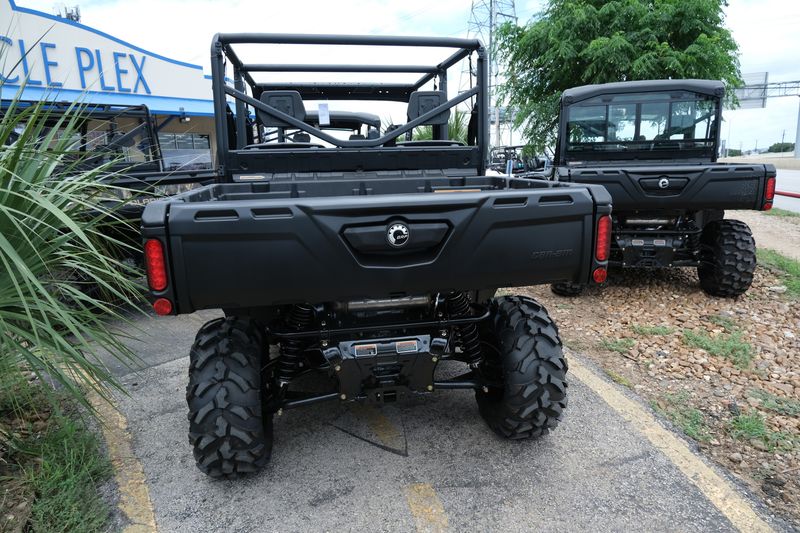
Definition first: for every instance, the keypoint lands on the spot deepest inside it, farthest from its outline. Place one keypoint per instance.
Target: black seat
(357, 137)
(421, 102)
(288, 102)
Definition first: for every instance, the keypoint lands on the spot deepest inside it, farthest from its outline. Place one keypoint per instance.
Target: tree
(781, 147)
(579, 42)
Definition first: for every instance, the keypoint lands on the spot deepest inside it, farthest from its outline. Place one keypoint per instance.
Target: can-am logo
(551, 254)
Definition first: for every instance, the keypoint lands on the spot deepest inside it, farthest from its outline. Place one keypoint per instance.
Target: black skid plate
(382, 370)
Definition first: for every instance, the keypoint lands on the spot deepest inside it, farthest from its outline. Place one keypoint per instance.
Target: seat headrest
(423, 101)
(289, 102)
(357, 137)
(301, 138)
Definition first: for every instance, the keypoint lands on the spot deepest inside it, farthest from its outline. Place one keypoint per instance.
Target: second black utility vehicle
(653, 145)
(369, 262)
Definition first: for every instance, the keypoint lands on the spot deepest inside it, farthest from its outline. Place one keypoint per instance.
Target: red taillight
(156, 265)
(769, 190)
(162, 306)
(603, 247)
(769, 194)
(599, 275)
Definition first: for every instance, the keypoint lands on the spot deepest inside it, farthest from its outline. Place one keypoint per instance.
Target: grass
(619, 378)
(770, 402)
(778, 212)
(62, 464)
(617, 345)
(651, 330)
(752, 426)
(724, 321)
(691, 421)
(728, 345)
(789, 269)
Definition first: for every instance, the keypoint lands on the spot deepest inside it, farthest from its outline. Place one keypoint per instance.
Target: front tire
(727, 258)
(526, 365)
(230, 431)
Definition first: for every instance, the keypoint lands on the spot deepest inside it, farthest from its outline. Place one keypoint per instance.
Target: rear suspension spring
(458, 307)
(290, 362)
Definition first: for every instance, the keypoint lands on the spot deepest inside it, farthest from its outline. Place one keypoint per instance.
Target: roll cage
(237, 155)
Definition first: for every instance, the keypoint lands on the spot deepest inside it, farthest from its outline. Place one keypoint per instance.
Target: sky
(768, 33)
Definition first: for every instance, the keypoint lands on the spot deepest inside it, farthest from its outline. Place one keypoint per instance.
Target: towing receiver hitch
(383, 370)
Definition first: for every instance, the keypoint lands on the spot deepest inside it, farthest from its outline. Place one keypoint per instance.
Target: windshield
(642, 125)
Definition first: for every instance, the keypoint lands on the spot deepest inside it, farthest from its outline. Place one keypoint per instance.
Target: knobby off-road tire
(529, 362)
(230, 432)
(567, 288)
(727, 258)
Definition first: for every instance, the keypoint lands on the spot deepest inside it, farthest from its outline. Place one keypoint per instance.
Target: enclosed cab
(653, 145)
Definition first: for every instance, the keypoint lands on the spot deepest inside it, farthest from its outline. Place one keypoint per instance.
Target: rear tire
(567, 288)
(727, 258)
(528, 368)
(228, 428)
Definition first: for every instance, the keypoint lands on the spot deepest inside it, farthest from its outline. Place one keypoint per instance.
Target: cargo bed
(246, 245)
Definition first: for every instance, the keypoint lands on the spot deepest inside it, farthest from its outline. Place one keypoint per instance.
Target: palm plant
(54, 242)
(456, 128)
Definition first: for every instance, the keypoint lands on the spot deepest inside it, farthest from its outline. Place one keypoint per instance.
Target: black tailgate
(710, 186)
(248, 253)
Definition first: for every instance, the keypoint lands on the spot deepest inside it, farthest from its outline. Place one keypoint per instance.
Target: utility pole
(497, 126)
(797, 135)
(484, 19)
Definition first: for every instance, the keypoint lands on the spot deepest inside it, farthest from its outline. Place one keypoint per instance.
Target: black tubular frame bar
(222, 50)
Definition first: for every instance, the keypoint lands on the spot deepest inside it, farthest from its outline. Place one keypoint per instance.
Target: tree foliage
(781, 147)
(580, 42)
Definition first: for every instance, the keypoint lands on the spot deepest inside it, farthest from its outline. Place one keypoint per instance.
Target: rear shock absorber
(458, 307)
(291, 356)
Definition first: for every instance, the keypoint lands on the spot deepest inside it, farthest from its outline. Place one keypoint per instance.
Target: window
(185, 151)
(643, 122)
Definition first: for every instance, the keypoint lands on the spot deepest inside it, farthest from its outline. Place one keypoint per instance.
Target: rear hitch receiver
(383, 370)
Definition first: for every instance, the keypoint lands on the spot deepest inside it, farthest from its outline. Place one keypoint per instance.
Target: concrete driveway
(430, 464)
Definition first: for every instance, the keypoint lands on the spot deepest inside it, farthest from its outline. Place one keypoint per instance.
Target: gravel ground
(778, 233)
(725, 372)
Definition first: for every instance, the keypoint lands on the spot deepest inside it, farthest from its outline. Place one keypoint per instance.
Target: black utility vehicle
(500, 156)
(365, 261)
(653, 145)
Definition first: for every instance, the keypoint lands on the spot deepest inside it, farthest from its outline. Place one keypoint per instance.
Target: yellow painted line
(379, 424)
(134, 498)
(717, 489)
(427, 508)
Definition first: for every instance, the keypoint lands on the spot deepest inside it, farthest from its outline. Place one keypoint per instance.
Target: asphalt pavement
(428, 464)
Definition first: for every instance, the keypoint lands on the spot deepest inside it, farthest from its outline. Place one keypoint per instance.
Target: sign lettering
(125, 72)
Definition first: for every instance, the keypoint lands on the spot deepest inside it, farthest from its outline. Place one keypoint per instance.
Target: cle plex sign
(126, 75)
